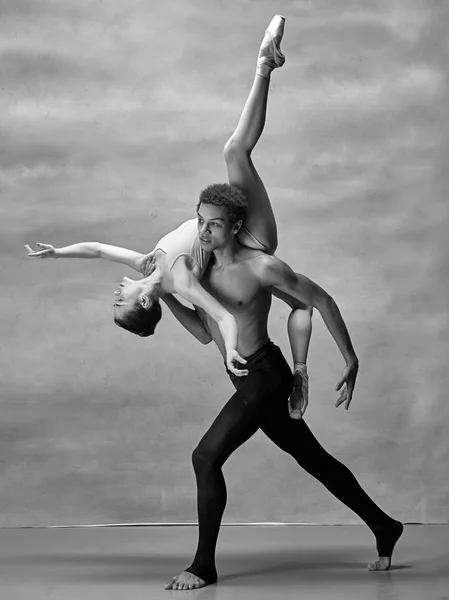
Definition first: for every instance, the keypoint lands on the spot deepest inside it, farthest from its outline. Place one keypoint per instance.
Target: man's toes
(378, 565)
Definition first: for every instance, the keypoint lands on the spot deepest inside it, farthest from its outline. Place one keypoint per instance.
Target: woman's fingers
(31, 252)
(240, 359)
(237, 372)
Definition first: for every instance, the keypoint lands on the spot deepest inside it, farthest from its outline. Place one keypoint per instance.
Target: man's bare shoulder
(266, 267)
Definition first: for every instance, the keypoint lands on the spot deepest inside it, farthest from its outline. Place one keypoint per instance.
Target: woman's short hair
(230, 197)
(139, 320)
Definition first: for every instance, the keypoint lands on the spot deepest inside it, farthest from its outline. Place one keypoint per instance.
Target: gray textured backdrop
(114, 115)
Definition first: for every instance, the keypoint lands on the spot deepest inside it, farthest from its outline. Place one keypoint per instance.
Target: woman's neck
(153, 281)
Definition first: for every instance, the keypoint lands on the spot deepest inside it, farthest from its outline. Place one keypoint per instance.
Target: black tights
(261, 402)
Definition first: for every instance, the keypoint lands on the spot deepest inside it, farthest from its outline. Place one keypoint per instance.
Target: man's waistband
(251, 360)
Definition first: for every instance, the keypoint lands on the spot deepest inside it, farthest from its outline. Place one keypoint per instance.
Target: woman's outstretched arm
(90, 250)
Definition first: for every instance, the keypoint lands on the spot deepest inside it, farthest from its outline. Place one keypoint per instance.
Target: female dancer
(181, 257)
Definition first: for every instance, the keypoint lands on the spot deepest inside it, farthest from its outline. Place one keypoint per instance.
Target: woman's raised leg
(259, 229)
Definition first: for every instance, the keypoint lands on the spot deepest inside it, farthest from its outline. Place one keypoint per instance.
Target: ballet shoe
(296, 413)
(270, 54)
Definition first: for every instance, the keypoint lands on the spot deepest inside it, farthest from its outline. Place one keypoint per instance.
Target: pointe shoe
(270, 55)
(296, 413)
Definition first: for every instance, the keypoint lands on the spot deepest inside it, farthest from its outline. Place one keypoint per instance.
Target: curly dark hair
(230, 197)
(139, 320)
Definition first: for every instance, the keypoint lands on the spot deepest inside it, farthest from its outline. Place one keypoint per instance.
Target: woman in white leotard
(180, 258)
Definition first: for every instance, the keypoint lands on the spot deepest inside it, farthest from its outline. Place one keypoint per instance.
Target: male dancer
(243, 280)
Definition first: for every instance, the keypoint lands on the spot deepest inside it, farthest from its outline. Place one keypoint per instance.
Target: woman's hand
(148, 265)
(231, 356)
(47, 251)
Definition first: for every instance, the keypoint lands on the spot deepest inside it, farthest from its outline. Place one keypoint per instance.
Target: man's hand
(46, 251)
(348, 379)
(148, 265)
(231, 356)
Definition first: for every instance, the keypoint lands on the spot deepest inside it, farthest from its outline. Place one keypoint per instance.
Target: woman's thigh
(260, 229)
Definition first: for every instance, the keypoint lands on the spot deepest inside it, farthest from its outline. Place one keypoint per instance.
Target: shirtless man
(243, 280)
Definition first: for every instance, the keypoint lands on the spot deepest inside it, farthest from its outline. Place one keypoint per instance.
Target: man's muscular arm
(275, 273)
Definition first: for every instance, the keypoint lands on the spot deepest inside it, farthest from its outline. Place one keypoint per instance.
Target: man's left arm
(275, 273)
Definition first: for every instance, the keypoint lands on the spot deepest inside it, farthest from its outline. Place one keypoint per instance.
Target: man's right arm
(274, 273)
(188, 318)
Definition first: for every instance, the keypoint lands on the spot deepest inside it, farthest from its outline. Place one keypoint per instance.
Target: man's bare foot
(386, 538)
(381, 564)
(185, 581)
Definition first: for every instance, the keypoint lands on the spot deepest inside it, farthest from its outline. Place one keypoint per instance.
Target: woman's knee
(234, 150)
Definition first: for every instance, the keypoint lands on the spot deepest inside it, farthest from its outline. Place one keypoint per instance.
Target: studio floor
(254, 562)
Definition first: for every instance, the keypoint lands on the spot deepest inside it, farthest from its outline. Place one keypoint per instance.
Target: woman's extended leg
(260, 230)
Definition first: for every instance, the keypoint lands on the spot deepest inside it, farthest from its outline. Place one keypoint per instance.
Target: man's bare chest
(235, 286)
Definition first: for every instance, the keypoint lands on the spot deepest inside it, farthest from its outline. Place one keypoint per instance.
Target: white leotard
(184, 241)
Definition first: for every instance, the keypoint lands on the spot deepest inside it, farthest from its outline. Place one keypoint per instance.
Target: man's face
(214, 228)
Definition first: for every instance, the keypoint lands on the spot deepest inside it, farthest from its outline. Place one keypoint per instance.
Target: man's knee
(235, 150)
(202, 458)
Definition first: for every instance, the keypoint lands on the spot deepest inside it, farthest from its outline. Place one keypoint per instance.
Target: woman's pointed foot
(270, 54)
(299, 399)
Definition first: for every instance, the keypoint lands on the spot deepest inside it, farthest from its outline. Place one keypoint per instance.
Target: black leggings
(261, 402)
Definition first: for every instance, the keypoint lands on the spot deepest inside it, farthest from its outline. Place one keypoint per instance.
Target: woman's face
(127, 294)
(131, 292)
